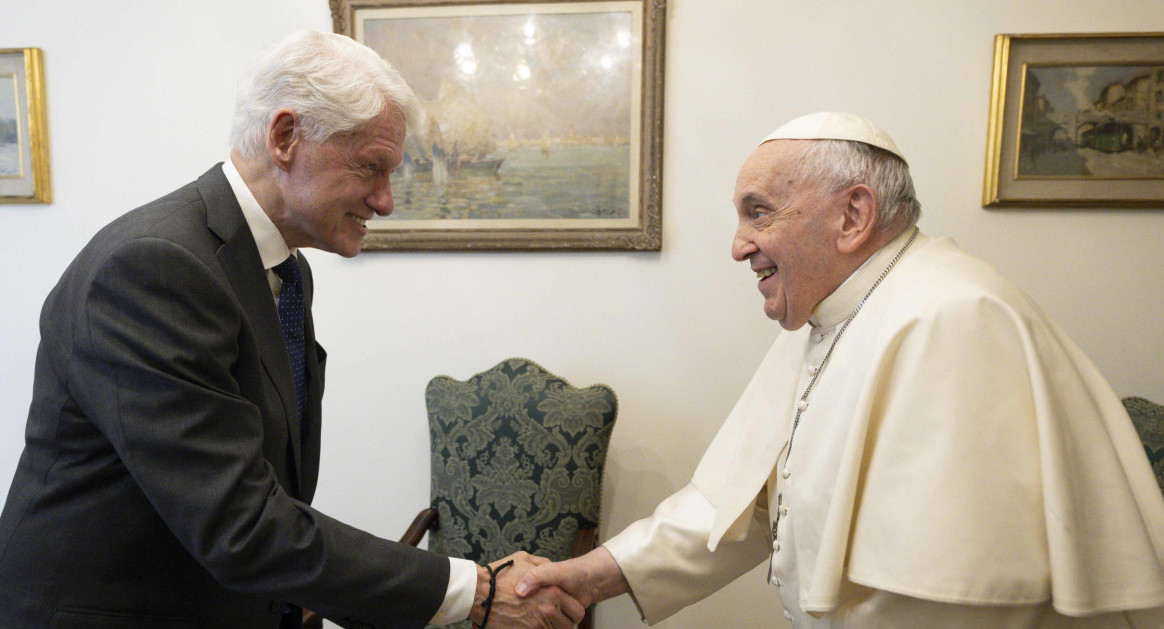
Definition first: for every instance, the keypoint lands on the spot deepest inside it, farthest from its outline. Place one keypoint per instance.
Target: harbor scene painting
(528, 115)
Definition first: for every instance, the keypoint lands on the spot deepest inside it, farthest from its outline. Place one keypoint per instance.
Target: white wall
(139, 97)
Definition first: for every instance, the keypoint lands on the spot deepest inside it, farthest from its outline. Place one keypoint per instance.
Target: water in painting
(586, 181)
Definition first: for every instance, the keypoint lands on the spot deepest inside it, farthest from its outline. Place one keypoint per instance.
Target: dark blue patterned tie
(291, 320)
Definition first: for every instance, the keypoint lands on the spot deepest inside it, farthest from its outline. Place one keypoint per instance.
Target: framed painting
(542, 127)
(24, 154)
(1076, 120)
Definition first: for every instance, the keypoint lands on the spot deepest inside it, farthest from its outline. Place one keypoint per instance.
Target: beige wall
(139, 98)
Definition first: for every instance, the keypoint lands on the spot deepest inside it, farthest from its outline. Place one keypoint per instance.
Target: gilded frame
(572, 214)
(24, 152)
(1076, 120)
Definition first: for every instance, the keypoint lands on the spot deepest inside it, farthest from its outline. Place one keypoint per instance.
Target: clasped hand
(589, 579)
(547, 608)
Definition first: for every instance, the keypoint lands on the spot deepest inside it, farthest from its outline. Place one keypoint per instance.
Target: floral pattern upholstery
(1149, 420)
(517, 460)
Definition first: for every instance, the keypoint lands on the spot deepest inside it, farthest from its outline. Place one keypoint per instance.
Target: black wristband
(488, 602)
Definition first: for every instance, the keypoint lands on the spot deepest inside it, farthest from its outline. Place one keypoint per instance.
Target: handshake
(523, 591)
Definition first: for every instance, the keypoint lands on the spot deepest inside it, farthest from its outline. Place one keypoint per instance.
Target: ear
(858, 219)
(283, 138)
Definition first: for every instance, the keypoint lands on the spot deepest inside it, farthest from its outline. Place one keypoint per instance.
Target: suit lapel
(244, 269)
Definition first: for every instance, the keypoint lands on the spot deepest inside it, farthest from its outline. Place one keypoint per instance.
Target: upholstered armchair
(1149, 420)
(517, 462)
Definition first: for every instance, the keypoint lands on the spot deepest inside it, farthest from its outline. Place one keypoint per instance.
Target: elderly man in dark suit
(173, 438)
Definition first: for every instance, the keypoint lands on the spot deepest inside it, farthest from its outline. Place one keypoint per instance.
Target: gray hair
(838, 164)
(333, 83)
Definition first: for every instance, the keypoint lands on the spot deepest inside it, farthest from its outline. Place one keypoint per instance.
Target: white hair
(838, 164)
(334, 84)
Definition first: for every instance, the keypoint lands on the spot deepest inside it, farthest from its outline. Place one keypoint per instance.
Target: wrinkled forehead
(384, 132)
(771, 171)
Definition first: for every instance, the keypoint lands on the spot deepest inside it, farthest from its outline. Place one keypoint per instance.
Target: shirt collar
(272, 248)
(833, 309)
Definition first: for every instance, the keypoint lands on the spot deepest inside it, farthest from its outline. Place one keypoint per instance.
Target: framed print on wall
(24, 154)
(543, 122)
(1076, 120)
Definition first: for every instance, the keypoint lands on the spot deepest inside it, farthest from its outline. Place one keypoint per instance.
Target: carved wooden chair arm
(425, 520)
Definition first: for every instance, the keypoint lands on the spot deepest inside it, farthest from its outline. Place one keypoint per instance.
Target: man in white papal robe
(922, 448)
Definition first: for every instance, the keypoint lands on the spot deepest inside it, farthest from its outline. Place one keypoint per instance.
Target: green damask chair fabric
(1149, 420)
(517, 461)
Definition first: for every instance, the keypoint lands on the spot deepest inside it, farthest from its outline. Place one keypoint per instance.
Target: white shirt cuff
(459, 596)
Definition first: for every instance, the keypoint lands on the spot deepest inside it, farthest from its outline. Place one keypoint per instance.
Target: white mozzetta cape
(958, 448)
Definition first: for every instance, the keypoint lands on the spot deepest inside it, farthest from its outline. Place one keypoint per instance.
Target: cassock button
(785, 473)
(787, 615)
(812, 370)
(817, 338)
(783, 510)
(778, 583)
(802, 405)
(776, 546)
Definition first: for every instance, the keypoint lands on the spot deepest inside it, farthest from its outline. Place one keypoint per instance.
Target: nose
(381, 198)
(742, 245)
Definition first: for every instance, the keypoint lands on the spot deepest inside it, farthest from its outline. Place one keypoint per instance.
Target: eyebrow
(752, 198)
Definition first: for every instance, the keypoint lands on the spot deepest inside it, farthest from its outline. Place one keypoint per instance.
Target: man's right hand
(590, 578)
(549, 608)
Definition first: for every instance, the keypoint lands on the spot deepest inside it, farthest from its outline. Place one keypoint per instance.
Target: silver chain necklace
(802, 404)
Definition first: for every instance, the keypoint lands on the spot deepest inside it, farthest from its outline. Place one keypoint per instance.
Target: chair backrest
(1149, 420)
(517, 461)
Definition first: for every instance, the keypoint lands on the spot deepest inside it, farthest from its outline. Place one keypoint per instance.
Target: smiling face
(788, 233)
(330, 189)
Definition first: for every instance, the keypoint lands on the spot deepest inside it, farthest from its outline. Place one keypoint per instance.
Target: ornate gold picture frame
(24, 153)
(1076, 120)
(543, 122)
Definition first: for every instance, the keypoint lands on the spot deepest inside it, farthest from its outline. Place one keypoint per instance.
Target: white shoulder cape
(983, 458)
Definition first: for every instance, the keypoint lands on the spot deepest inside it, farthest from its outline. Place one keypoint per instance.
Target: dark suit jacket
(166, 473)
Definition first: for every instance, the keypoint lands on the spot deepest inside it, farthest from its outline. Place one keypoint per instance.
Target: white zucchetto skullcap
(830, 125)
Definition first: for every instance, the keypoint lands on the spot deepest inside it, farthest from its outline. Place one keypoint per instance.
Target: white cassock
(960, 463)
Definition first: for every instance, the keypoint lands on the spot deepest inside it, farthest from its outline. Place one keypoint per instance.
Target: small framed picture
(1076, 120)
(24, 153)
(543, 122)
